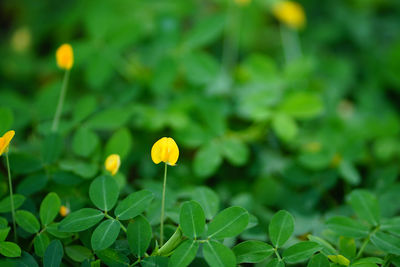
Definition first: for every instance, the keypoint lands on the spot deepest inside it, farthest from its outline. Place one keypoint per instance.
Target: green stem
(120, 223)
(60, 104)
(277, 254)
(172, 243)
(11, 198)
(364, 244)
(163, 207)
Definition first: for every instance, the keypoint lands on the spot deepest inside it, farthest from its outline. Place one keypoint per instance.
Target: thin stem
(290, 43)
(120, 223)
(163, 207)
(60, 104)
(364, 244)
(277, 254)
(11, 198)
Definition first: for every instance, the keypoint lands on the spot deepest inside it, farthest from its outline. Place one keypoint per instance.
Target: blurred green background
(267, 116)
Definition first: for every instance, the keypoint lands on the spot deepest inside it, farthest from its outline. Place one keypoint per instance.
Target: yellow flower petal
(112, 163)
(64, 211)
(290, 13)
(165, 150)
(65, 56)
(5, 141)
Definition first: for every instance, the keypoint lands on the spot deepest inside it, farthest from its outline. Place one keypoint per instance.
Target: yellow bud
(64, 211)
(242, 2)
(339, 259)
(336, 160)
(5, 141)
(65, 57)
(165, 150)
(112, 163)
(290, 13)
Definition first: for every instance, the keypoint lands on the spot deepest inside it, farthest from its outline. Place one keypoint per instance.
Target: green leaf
(105, 234)
(120, 143)
(228, 223)
(302, 105)
(285, 127)
(192, 219)
(53, 230)
(217, 255)
(27, 221)
(7, 119)
(349, 172)
(52, 148)
(235, 151)
(49, 208)
(326, 247)
(103, 192)
(26, 260)
(40, 243)
(133, 205)
(275, 263)
(207, 160)
(113, 258)
(139, 235)
(347, 247)
(345, 226)
(200, 67)
(184, 254)
(5, 203)
(80, 220)
(281, 228)
(78, 253)
(4, 233)
(387, 243)
(84, 142)
(391, 225)
(155, 261)
(208, 199)
(10, 249)
(252, 251)
(109, 119)
(318, 260)
(365, 205)
(301, 251)
(53, 255)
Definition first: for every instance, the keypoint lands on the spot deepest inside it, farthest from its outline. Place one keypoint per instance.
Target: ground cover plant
(200, 133)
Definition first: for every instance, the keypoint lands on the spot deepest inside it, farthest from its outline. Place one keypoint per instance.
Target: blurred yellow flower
(290, 13)
(313, 147)
(21, 39)
(165, 150)
(5, 141)
(339, 259)
(112, 163)
(242, 2)
(65, 56)
(64, 211)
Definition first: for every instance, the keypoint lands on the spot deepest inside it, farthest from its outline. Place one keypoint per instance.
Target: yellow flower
(64, 211)
(112, 163)
(339, 259)
(290, 13)
(165, 150)
(65, 57)
(5, 141)
(242, 2)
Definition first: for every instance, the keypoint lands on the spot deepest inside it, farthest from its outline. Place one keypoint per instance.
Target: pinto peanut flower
(112, 163)
(64, 211)
(165, 150)
(5, 141)
(290, 13)
(65, 57)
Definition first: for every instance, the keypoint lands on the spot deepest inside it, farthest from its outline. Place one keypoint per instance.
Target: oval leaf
(40, 244)
(105, 234)
(387, 243)
(281, 228)
(217, 255)
(192, 219)
(78, 253)
(10, 249)
(319, 260)
(345, 226)
(365, 205)
(53, 254)
(252, 251)
(228, 223)
(139, 235)
(300, 251)
(133, 205)
(208, 199)
(80, 220)
(103, 192)
(5, 203)
(184, 254)
(27, 221)
(49, 208)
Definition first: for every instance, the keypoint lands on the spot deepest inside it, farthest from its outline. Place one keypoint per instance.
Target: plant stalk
(60, 104)
(163, 207)
(172, 243)
(11, 198)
